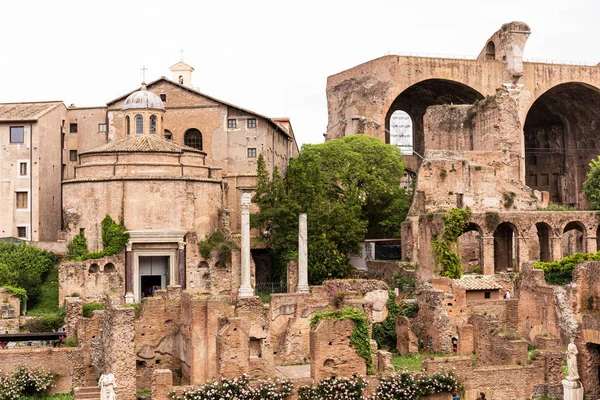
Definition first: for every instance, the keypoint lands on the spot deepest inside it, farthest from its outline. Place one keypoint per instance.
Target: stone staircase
(87, 393)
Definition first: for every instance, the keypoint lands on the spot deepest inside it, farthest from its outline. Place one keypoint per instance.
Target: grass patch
(64, 396)
(413, 361)
(88, 308)
(47, 301)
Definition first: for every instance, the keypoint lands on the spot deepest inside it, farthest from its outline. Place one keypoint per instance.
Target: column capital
(181, 245)
(128, 246)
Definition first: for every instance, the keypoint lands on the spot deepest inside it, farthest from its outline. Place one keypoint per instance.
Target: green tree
(350, 189)
(591, 187)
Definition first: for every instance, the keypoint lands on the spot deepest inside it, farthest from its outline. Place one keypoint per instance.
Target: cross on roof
(181, 51)
(144, 69)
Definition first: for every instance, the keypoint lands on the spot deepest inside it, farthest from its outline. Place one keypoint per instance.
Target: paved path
(293, 371)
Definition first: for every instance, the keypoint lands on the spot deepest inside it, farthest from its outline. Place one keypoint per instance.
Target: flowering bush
(338, 292)
(333, 388)
(406, 386)
(239, 389)
(25, 381)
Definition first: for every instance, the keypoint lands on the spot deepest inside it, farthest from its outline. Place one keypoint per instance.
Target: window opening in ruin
(94, 268)
(505, 248)
(139, 124)
(153, 124)
(109, 268)
(255, 348)
(470, 247)
(573, 240)
(487, 295)
(127, 125)
(490, 51)
(560, 141)
(154, 274)
(163, 97)
(544, 233)
(17, 134)
(168, 135)
(591, 369)
(193, 138)
(401, 132)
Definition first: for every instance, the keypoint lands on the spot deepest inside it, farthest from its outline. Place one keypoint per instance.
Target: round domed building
(162, 191)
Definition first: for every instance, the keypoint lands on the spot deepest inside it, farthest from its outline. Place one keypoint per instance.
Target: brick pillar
(557, 252)
(129, 298)
(592, 244)
(181, 265)
(162, 384)
(488, 255)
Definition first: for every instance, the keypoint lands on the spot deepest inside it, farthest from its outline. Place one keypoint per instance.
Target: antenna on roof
(144, 69)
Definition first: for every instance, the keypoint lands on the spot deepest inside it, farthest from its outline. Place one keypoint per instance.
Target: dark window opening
(232, 123)
(252, 153)
(73, 155)
(163, 96)
(17, 134)
(73, 128)
(487, 295)
(251, 122)
(22, 232)
(23, 168)
(193, 138)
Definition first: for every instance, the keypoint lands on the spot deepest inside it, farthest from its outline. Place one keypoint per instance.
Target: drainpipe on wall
(31, 181)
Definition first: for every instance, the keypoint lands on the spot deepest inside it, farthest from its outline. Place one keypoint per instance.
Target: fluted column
(246, 289)
(302, 256)
(129, 298)
(181, 265)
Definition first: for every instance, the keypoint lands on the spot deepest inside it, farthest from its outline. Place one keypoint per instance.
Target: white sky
(272, 57)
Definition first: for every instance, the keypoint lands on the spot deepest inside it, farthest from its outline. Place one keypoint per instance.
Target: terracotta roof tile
(142, 143)
(478, 283)
(255, 243)
(25, 111)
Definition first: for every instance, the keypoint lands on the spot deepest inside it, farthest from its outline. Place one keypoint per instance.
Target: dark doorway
(505, 248)
(574, 238)
(544, 233)
(470, 249)
(154, 274)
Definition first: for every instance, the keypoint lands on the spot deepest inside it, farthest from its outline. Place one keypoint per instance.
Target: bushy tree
(591, 187)
(350, 189)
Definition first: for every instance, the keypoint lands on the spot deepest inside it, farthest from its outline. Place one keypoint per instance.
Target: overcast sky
(272, 57)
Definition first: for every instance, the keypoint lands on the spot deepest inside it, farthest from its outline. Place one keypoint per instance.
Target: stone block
(162, 384)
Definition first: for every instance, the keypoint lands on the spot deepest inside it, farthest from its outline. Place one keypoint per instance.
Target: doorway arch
(505, 248)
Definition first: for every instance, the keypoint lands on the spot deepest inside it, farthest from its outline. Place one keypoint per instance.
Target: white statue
(572, 361)
(107, 385)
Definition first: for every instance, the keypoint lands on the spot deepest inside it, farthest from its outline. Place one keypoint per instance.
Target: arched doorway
(561, 129)
(574, 238)
(544, 233)
(415, 100)
(193, 138)
(505, 248)
(401, 132)
(470, 248)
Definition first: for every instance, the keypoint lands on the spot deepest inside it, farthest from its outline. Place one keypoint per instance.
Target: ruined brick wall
(118, 335)
(507, 382)
(495, 343)
(432, 324)
(330, 351)
(385, 270)
(13, 303)
(66, 362)
(89, 338)
(91, 280)
(585, 278)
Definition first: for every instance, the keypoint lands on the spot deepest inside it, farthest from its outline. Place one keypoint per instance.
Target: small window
(163, 96)
(251, 122)
(127, 125)
(23, 169)
(22, 202)
(17, 134)
(73, 128)
(139, 124)
(251, 152)
(101, 127)
(153, 124)
(22, 232)
(168, 135)
(73, 155)
(232, 123)
(487, 295)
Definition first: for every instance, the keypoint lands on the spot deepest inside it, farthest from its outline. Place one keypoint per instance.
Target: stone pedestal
(573, 390)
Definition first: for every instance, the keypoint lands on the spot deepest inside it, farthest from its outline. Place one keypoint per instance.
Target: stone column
(557, 250)
(181, 265)
(129, 298)
(488, 255)
(302, 256)
(592, 244)
(246, 289)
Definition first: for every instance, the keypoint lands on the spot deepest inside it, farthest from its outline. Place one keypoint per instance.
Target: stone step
(87, 393)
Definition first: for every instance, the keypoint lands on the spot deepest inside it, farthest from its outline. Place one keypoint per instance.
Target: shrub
(509, 199)
(114, 239)
(88, 308)
(219, 242)
(560, 272)
(333, 388)
(591, 186)
(359, 338)
(407, 386)
(238, 388)
(384, 333)
(46, 323)
(25, 381)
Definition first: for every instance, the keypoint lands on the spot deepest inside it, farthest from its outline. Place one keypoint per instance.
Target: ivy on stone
(114, 239)
(446, 247)
(359, 339)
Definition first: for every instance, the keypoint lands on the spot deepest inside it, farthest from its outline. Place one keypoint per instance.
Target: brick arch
(590, 336)
(574, 242)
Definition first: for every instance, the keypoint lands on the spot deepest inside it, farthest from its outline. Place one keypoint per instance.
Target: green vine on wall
(219, 242)
(359, 339)
(446, 247)
(114, 239)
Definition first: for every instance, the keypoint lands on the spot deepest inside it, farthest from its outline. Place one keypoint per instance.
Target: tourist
(481, 396)
(455, 396)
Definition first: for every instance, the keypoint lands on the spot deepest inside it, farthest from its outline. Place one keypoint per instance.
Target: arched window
(181, 79)
(139, 124)
(193, 138)
(153, 124)
(401, 131)
(127, 124)
(490, 51)
(168, 135)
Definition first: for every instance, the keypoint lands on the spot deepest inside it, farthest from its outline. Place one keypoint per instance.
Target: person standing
(481, 396)
(455, 396)
(507, 295)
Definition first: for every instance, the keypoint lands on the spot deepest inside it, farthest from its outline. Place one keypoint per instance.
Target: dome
(143, 99)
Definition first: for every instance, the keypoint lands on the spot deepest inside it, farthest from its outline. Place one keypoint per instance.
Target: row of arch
(192, 137)
(561, 130)
(541, 244)
(109, 268)
(139, 124)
